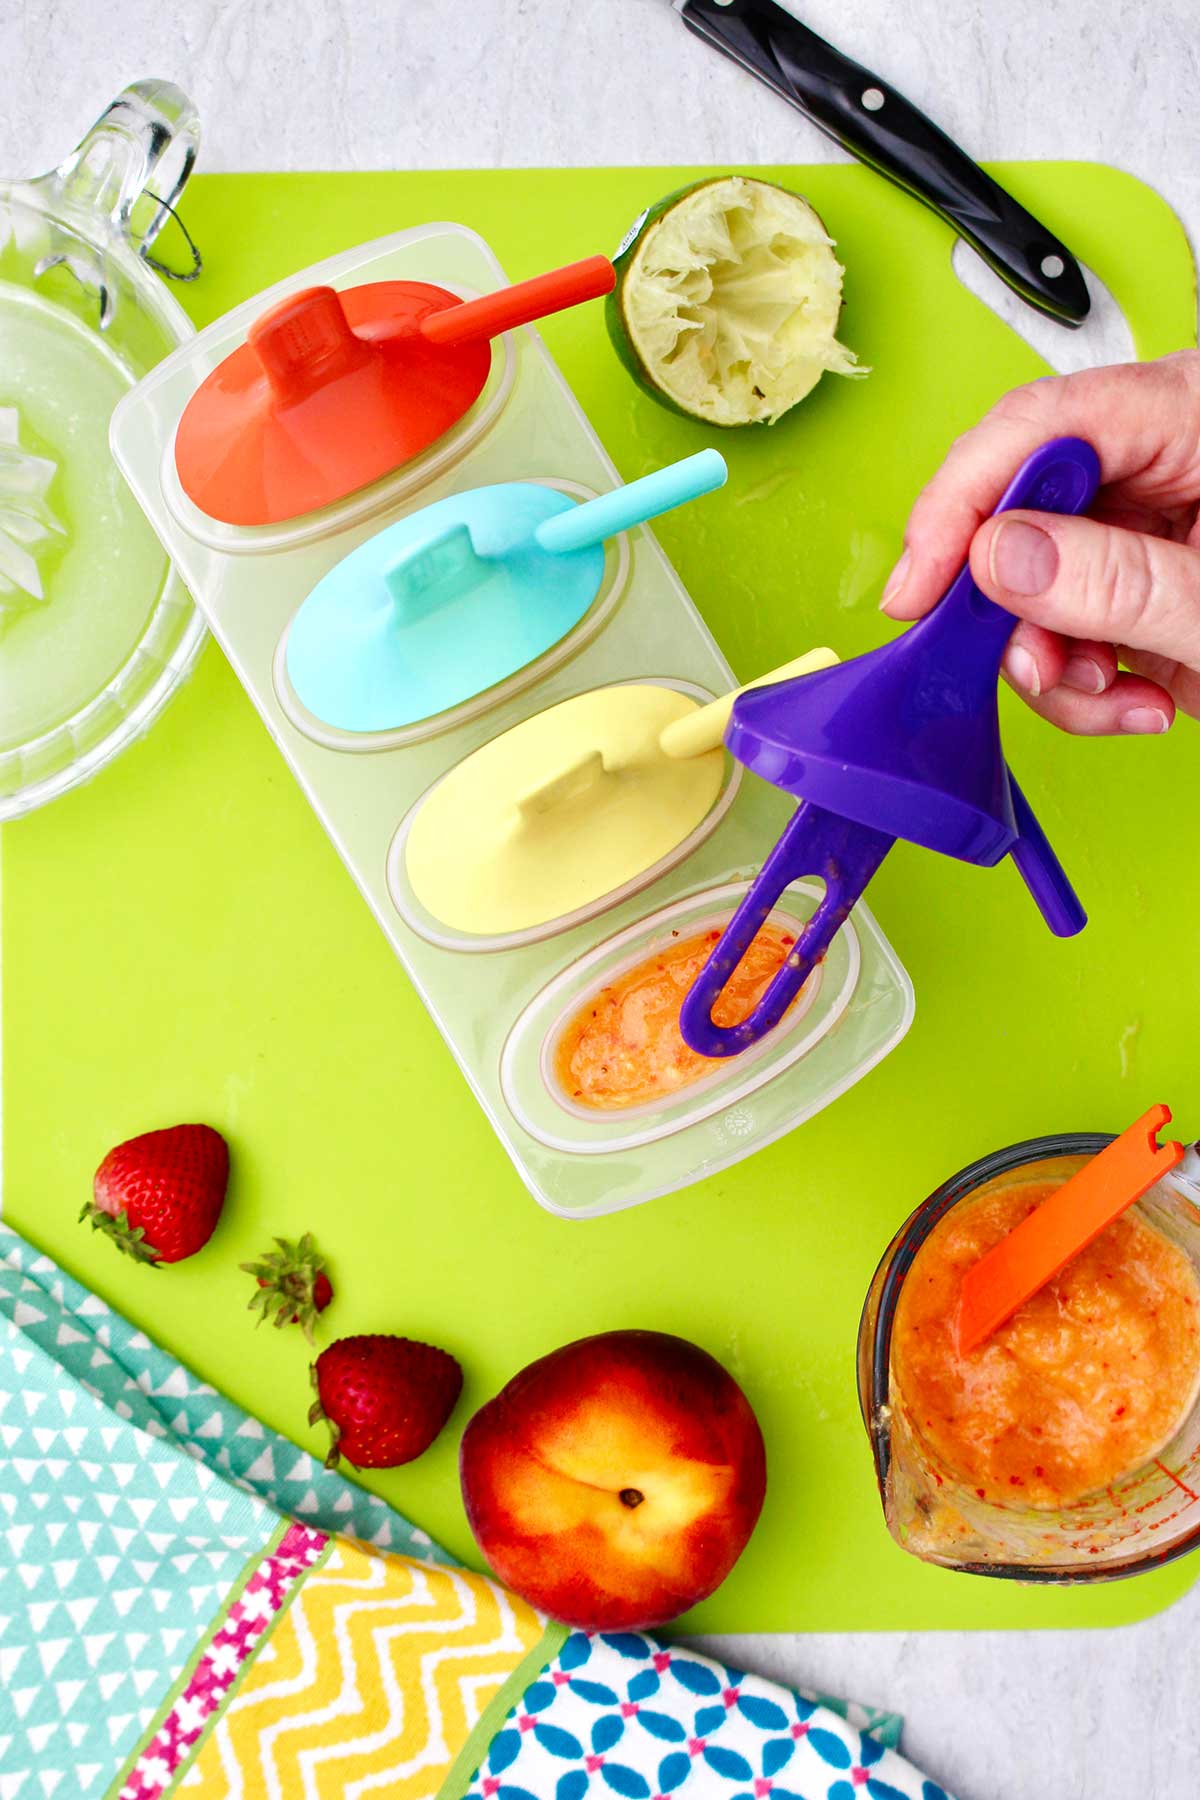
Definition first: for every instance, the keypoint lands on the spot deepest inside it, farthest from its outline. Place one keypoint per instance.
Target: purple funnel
(903, 742)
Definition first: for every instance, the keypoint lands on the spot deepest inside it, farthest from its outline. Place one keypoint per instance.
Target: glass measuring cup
(1149, 1516)
(96, 630)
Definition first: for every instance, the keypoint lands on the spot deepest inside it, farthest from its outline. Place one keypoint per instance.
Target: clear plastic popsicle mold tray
(501, 1001)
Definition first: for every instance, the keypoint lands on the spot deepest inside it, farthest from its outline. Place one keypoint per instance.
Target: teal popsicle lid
(457, 597)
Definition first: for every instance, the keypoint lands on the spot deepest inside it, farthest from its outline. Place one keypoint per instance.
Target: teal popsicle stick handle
(589, 524)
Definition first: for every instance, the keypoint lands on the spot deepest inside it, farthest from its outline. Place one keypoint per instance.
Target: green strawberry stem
(116, 1227)
(289, 1287)
(318, 1416)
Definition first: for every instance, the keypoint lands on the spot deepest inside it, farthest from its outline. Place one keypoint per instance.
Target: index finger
(1142, 418)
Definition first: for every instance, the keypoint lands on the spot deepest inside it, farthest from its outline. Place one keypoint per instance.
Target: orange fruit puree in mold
(624, 1047)
(1083, 1385)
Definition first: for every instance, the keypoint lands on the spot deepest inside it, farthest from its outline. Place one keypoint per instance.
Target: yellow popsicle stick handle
(569, 785)
(705, 729)
(693, 735)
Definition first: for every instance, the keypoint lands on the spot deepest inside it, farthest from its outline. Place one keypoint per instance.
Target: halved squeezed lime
(727, 301)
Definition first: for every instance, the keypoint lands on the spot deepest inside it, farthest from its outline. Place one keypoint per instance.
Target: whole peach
(615, 1482)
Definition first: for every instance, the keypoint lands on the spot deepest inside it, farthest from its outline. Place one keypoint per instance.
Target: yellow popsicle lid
(559, 811)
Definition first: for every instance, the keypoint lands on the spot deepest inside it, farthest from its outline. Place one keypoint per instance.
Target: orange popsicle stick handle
(1062, 1226)
(491, 314)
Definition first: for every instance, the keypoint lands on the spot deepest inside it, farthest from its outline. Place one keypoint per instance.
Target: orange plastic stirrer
(1041, 1245)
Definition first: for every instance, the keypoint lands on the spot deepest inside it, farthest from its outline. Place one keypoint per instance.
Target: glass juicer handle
(130, 168)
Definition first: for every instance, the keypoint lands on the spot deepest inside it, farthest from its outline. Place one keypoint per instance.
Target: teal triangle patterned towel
(148, 1555)
(135, 1499)
(145, 1386)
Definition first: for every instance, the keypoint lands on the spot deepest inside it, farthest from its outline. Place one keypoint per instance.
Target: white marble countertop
(324, 84)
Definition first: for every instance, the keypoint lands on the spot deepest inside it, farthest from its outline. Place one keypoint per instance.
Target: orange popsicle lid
(1063, 1225)
(334, 389)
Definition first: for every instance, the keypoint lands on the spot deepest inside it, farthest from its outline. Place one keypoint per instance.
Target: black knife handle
(880, 127)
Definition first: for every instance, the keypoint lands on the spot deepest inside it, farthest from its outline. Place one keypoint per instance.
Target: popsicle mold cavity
(621, 1048)
(559, 812)
(531, 1069)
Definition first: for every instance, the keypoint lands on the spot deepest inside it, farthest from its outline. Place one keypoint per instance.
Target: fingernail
(1022, 558)
(1024, 671)
(1144, 719)
(1084, 674)
(896, 580)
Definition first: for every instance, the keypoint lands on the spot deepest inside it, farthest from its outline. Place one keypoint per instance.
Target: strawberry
(159, 1196)
(384, 1398)
(292, 1284)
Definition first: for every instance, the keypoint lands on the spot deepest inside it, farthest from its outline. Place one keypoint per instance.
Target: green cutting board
(180, 940)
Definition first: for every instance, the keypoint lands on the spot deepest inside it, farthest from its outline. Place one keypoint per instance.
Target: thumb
(1088, 580)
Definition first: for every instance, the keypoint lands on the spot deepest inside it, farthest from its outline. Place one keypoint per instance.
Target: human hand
(1122, 584)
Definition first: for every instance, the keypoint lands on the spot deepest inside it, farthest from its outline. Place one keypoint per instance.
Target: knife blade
(880, 127)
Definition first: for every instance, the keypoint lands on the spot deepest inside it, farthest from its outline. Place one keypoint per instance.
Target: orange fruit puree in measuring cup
(1084, 1384)
(624, 1047)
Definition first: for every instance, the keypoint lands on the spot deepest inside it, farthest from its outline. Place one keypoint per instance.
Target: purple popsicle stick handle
(814, 842)
(1060, 476)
